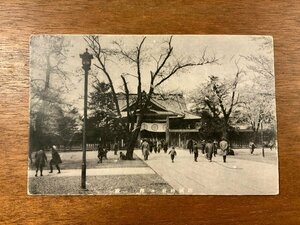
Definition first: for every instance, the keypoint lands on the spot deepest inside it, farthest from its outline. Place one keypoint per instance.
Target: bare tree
(262, 63)
(102, 56)
(48, 55)
(221, 98)
(166, 66)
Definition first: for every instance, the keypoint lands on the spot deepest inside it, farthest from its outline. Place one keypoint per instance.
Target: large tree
(259, 100)
(165, 65)
(220, 97)
(48, 76)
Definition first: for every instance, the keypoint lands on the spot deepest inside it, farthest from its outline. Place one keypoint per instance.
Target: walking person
(215, 145)
(150, 146)
(40, 161)
(252, 147)
(101, 153)
(155, 146)
(224, 147)
(202, 146)
(158, 146)
(209, 149)
(196, 152)
(145, 149)
(56, 160)
(165, 146)
(190, 146)
(172, 153)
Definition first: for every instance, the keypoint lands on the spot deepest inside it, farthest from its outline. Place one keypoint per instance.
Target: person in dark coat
(159, 146)
(196, 152)
(101, 153)
(215, 147)
(252, 147)
(150, 146)
(56, 160)
(202, 146)
(155, 146)
(165, 146)
(40, 161)
(173, 153)
(190, 146)
(209, 149)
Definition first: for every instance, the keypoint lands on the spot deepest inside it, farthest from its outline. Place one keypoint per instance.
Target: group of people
(41, 160)
(156, 145)
(208, 147)
(147, 146)
(102, 151)
(266, 144)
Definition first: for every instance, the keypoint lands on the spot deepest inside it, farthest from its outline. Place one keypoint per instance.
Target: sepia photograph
(152, 115)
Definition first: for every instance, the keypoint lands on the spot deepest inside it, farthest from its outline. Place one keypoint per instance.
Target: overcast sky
(227, 49)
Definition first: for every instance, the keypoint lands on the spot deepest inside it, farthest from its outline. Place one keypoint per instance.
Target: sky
(227, 49)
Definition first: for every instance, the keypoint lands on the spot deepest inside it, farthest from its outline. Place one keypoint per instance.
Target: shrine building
(167, 118)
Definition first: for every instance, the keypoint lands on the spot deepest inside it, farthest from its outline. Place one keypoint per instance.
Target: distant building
(243, 134)
(167, 118)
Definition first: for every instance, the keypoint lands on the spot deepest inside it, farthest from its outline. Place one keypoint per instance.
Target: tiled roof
(174, 103)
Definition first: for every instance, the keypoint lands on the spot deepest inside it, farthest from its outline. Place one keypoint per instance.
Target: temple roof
(171, 103)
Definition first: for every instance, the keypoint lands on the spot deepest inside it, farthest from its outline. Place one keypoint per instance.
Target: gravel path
(119, 184)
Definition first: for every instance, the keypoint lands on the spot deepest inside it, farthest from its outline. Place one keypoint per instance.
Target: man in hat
(209, 149)
(56, 160)
(40, 161)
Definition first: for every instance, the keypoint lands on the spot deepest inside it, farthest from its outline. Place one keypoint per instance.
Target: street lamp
(86, 65)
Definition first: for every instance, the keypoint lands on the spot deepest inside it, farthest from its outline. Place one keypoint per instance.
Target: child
(101, 153)
(173, 153)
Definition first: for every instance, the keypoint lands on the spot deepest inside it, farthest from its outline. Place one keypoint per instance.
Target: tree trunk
(255, 136)
(133, 137)
(226, 128)
(131, 144)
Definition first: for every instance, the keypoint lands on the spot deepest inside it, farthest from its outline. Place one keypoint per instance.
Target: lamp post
(86, 65)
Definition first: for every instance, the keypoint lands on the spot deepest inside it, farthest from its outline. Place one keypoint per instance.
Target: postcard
(152, 115)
